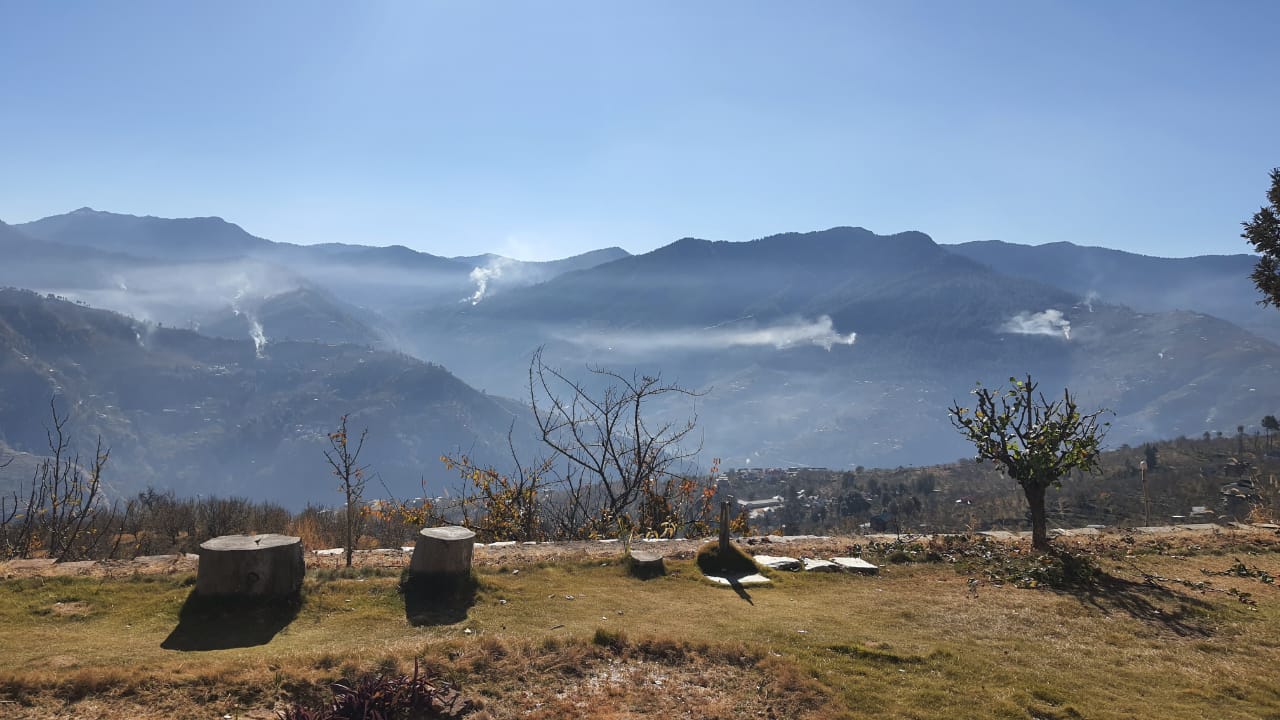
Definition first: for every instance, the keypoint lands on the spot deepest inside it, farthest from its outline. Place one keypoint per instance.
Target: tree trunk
(250, 566)
(1039, 531)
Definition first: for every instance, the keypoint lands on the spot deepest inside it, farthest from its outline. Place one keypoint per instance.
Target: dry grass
(580, 639)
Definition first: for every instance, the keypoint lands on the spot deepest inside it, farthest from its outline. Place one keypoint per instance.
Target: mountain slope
(767, 325)
(204, 238)
(1211, 284)
(214, 416)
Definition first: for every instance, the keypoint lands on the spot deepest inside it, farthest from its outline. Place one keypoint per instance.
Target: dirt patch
(76, 608)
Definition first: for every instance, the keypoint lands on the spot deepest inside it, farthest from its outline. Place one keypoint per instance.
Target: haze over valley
(214, 361)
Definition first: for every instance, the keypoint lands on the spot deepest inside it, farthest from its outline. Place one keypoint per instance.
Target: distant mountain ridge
(1212, 284)
(830, 348)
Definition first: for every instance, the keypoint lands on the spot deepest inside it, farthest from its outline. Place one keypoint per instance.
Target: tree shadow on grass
(1150, 602)
(221, 622)
(437, 599)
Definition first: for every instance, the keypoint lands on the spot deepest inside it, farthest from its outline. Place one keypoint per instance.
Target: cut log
(443, 551)
(250, 566)
(646, 565)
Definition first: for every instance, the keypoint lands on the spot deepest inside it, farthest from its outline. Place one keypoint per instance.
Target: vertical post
(1146, 497)
(724, 528)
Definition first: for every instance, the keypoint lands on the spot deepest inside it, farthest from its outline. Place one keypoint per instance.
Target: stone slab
(816, 565)
(856, 565)
(156, 559)
(330, 551)
(80, 567)
(755, 579)
(1199, 527)
(778, 562)
(999, 534)
(1267, 526)
(29, 564)
(1155, 529)
(1074, 532)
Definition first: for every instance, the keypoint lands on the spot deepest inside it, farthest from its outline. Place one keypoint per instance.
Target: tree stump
(443, 552)
(645, 565)
(250, 566)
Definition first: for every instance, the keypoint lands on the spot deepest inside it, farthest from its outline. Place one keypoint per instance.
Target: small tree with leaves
(1263, 233)
(344, 459)
(1031, 439)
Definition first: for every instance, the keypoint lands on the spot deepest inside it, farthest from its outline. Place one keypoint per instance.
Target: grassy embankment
(580, 639)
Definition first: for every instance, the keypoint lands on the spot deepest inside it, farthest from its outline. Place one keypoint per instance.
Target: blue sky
(545, 129)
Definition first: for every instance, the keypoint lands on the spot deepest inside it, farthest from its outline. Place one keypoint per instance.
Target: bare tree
(351, 475)
(615, 465)
(64, 514)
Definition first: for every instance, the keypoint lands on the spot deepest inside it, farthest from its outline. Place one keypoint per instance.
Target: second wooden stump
(443, 552)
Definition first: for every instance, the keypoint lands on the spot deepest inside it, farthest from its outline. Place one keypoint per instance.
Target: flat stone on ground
(999, 534)
(856, 565)
(80, 567)
(778, 562)
(1155, 529)
(29, 564)
(1199, 527)
(755, 579)
(155, 559)
(816, 565)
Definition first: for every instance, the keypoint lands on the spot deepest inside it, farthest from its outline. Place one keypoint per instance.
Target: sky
(541, 130)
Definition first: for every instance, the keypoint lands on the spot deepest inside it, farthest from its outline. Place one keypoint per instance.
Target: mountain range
(834, 348)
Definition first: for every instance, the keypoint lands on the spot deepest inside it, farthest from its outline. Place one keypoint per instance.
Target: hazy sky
(542, 129)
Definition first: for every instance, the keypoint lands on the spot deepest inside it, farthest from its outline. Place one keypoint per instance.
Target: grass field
(1154, 636)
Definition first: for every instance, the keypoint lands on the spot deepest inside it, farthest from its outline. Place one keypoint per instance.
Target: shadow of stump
(220, 622)
(437, 599)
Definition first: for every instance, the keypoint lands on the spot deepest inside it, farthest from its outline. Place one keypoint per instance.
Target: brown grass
(920, 640)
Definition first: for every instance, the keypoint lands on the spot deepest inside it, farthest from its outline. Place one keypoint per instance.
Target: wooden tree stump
(645, 565)
(443, 552)
(250, 566)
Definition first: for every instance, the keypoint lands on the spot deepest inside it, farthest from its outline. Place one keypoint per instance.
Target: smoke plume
(1050, 322)
(820, 332)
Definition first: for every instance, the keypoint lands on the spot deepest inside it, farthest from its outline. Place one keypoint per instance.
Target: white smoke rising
(259, 338)
(820, 332)
(255, 327)
(1090, 298)
(483, 276)
(1050, 322)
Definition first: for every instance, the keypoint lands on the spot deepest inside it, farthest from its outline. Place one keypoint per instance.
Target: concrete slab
(744, 580)
(156, 559)
(999, 534)
(1074, 532)
(1200, 527)
(80, 567)
(1155, 529)
(778, 562)
(816, 565)
(330, 551)
(29, 564)
(503, 543)
(856, 565)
